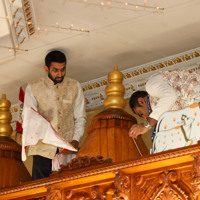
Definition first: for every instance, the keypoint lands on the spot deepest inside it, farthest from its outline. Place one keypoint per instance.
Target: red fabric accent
(64, 150)
(19, 128)
(21, 95)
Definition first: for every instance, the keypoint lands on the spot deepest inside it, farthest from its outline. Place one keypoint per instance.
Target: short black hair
(133, 102)
(55, 56)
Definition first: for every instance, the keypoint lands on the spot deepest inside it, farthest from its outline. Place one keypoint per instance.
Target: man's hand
(137, 129)
(74, 143)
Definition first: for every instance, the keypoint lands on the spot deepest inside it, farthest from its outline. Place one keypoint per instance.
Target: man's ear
(46, 69)
(142, 101)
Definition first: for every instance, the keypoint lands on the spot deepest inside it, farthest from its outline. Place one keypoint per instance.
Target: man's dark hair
(55, 56)
(133, 102)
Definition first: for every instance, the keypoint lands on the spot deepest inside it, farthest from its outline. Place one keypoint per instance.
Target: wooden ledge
(103, 172)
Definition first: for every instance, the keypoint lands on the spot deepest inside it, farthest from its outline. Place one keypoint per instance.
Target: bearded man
(61, 101)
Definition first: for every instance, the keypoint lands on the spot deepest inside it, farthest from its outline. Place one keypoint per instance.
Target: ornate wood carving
(114, 114)
(120, 189)
(39, 198)
(165, 186)
(101, 192)
(108, 137)
(122, 186)
(95, 193)
(54, 193)
(12, 169)
(196, 178)
(68, 194)
(84, 161)
(164, 175)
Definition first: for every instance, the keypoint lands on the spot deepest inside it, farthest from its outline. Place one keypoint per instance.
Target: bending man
(168, 90)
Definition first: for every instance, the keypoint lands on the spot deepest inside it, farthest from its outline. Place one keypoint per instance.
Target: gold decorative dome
(115, 90)
(12, 170)
(5, 117)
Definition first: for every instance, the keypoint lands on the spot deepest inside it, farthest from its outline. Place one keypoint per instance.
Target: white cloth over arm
(29, 100)
(35, 128)
(159, 88)
(79, 114)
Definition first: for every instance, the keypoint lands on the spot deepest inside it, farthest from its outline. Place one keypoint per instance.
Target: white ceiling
(119, 35)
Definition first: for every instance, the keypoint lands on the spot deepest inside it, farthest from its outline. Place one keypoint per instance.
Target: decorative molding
(135, 78)
(95, 192)
(83, 162)
(165, 185)
(54, 193)
(196, 178)
(39, 198)
(14, 109)
(171, 154)
(21, 20)
(122, 185)
(102, 192)
(120, 189)
(168, 188)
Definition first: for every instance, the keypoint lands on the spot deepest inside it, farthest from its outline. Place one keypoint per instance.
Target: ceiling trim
(135, 78)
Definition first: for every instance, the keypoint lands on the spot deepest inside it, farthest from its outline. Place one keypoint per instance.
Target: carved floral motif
(54, 193)
(122, 186)
(196, 178)
(169, 188)
(84, 161)
(119, 190)
(93, 193)
(39, 198)
(165, 186)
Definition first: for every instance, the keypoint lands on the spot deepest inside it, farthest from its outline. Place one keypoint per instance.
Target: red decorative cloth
(19, 128)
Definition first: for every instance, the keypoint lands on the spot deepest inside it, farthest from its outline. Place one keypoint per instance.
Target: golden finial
(5, 117)
(115, 90)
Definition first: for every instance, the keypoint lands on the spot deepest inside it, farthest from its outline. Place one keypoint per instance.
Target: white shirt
(172, 90)
(159, 88)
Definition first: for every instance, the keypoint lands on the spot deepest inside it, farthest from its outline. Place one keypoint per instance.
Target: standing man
(60, 100)
(168, 90)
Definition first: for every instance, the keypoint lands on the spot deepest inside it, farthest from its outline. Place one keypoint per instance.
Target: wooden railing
(173, 174)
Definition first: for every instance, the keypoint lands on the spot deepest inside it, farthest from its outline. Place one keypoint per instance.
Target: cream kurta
(63, 105)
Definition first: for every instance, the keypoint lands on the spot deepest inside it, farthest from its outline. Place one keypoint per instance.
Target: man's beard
(54, 80)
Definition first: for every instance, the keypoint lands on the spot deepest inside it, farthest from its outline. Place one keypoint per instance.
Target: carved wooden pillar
(108, 132)
(12, 169)
(196, 178)
(122, 186)
(108, 137)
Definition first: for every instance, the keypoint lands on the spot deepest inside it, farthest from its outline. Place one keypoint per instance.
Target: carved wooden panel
(54, 193)
(39, 198)
(171, 175)
(104, 192)
(122, 186)
(166, 185)
(196, 177)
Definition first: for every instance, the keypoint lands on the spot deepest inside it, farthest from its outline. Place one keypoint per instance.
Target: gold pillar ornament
(115, 90)
(5, 117)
